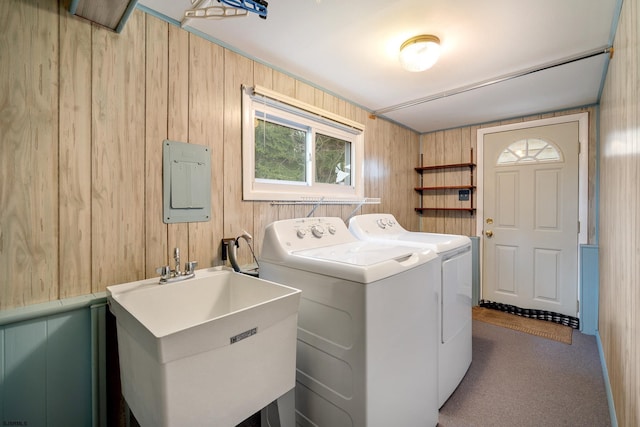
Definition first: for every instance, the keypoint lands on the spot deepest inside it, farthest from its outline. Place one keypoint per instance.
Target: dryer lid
(438, 242)
(385, 228)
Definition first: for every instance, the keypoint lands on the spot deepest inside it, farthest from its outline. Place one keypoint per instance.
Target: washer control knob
(317, 230)
(382, 223)
(332, 229)
(301, 232)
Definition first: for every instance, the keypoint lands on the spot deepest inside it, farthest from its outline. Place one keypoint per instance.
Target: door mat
(532, 313)
(540, 328)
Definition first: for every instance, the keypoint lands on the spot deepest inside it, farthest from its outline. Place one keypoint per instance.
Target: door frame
(583, 180)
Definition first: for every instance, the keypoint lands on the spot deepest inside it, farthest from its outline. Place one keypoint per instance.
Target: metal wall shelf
(448, 187)
(421, 189)
(450, 166)
(470, 210)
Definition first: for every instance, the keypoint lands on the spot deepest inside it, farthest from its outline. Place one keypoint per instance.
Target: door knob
(489, 233)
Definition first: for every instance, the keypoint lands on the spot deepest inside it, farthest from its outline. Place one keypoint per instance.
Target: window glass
(530, 150)
(279, 152)
(333, 160)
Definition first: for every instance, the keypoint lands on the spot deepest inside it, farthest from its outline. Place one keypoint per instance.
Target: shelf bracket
(353, 212)
(310, 214)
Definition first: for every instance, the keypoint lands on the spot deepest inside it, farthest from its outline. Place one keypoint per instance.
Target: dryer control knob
(382, 223)
(317, 231)
(301, 232)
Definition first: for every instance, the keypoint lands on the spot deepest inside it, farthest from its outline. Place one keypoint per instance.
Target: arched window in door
(530, 150)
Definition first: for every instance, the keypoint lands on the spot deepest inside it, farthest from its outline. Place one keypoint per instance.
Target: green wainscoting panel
(1, 374)
(99, 360)
(47, 365)
(68, 381)
(589, 289)
(25, 373)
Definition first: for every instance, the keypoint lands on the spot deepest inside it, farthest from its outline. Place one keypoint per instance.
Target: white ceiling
(350, 48)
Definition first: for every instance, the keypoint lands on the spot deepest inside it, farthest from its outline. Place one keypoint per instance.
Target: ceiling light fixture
(420, 52)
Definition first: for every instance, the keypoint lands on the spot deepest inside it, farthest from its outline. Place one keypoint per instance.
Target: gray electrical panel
(186, 181)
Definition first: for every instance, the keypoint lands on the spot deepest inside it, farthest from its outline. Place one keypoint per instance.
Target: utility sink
(207, 351)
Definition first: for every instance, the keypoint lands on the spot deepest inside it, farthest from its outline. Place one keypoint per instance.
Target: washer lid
(360, 261)
(325, 246)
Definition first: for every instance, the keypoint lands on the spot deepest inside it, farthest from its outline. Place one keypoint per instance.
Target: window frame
(310, 118)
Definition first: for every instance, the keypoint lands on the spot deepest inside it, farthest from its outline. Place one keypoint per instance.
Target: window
(531, 150)
(298, 152)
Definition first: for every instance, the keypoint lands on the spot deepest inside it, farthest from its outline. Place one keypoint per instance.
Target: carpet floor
(518, 379)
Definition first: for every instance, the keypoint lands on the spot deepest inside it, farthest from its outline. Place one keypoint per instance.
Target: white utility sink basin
(207, 351)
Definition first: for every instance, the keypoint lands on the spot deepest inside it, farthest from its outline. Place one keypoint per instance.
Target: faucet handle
(190, 267)
(164, 271)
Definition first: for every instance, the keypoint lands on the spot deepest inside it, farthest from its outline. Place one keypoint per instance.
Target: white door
(531, 217)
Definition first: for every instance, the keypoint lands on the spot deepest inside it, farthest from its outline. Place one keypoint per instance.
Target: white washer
(366, 324)
(454, 291)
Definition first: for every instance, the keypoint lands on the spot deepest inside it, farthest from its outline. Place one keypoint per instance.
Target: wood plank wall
(83, 113)
(454, 146)
(619, 318)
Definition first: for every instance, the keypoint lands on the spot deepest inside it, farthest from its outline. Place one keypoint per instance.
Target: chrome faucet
(167, 275)
(176, 257)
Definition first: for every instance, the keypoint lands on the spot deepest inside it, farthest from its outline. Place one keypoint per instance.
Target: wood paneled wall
(29, 56)
(83, 113)
(619, 318)
(454, 146)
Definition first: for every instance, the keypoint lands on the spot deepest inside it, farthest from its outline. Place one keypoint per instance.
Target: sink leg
(287, 408)
(281, 412)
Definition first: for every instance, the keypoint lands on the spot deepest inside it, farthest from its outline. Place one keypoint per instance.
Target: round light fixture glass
(420, 52)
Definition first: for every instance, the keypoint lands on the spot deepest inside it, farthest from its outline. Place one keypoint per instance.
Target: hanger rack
(224, 9)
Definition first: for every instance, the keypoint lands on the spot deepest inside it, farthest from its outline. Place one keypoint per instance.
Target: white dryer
(366, 324)
(454, 291)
